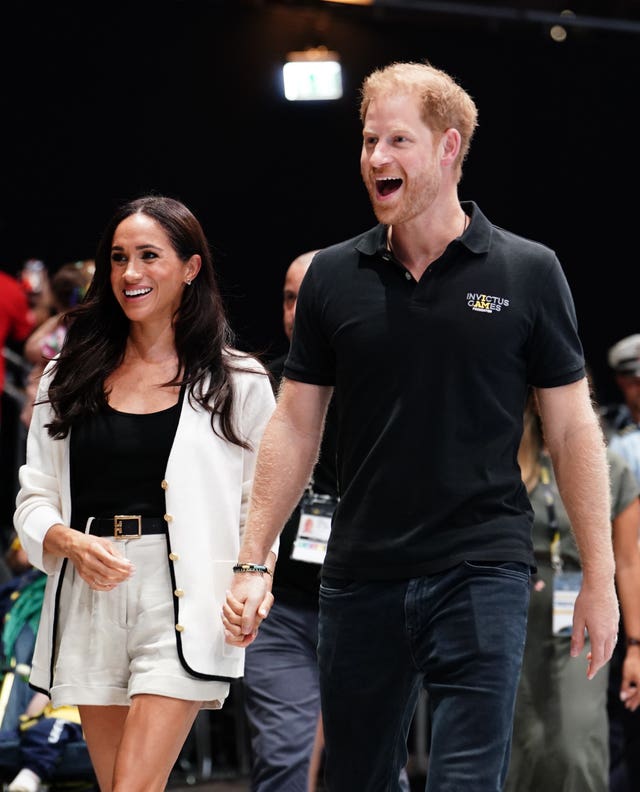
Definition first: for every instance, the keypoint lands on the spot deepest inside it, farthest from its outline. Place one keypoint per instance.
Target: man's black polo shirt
(430, 383)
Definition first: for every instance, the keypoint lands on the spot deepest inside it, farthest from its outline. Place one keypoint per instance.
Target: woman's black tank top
(118, 463)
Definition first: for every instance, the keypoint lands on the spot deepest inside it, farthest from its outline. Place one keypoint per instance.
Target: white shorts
(115, 644)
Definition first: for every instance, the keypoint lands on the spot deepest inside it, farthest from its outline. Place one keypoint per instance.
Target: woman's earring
(188, 283)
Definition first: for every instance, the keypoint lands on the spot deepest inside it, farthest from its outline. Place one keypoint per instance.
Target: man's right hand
(248, 603)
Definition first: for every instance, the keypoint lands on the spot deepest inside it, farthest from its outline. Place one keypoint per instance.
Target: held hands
(596, 611)
(248, 603)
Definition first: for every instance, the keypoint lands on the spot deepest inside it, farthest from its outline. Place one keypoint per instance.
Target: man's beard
(418, 197)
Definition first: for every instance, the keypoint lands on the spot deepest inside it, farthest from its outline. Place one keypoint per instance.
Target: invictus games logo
(486, 303)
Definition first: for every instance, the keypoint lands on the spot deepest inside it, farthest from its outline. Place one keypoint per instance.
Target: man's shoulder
(501, 246)
(276, 365)
(522, 245)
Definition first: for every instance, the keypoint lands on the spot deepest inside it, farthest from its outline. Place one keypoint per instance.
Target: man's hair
(444, 104)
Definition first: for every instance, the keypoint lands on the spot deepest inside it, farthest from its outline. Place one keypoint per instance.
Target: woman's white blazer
(207, 484)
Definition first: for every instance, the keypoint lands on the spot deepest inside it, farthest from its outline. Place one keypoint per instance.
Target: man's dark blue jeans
(461, 634)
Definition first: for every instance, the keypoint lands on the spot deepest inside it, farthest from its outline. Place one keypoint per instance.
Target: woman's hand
(95, 558)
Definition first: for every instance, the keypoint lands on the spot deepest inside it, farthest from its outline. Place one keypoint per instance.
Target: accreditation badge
(314, 527)
(566, 586)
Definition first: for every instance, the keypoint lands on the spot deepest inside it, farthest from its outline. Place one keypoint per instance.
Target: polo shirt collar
(477, 237)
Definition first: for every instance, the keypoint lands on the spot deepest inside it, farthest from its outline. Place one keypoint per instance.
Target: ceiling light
(313, 73)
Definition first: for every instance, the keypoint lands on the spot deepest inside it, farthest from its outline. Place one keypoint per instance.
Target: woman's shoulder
(248, 374)
(47, 373)
(243, 362)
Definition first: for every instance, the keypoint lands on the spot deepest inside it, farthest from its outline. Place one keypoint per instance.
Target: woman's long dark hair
(98, 329)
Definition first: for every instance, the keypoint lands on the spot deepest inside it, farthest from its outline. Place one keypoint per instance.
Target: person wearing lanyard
(560, 735)
(282, 689)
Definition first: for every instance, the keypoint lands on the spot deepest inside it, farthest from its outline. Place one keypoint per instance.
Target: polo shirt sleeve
(556, 353)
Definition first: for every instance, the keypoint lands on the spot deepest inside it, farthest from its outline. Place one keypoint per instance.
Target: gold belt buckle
(118, 520)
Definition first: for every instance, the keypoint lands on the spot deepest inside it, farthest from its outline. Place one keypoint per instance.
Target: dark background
(103, 101)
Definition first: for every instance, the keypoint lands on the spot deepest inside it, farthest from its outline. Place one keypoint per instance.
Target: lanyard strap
(552, 519)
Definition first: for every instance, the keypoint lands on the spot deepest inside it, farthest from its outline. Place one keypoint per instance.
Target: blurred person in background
(624, 360)
(34, 277)
(68, 287)
(281, 666)
(16, 320)
(27, 720)
(560, 734)
(16, 324)
(622, 425)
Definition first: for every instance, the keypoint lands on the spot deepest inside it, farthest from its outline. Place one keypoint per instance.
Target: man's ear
(450, 146)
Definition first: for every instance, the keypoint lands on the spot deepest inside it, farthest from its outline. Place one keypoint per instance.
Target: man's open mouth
(387, 186)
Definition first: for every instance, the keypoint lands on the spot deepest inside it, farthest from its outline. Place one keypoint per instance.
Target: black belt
(127, 526)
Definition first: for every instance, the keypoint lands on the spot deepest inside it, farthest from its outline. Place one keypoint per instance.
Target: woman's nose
(132, 273)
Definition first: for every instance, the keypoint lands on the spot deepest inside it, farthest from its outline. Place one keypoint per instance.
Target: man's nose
(380, 155)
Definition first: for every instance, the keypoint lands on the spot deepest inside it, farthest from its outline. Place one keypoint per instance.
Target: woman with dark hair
(140, 458)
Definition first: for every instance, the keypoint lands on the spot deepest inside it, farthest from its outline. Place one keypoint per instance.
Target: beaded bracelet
(252, 568)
